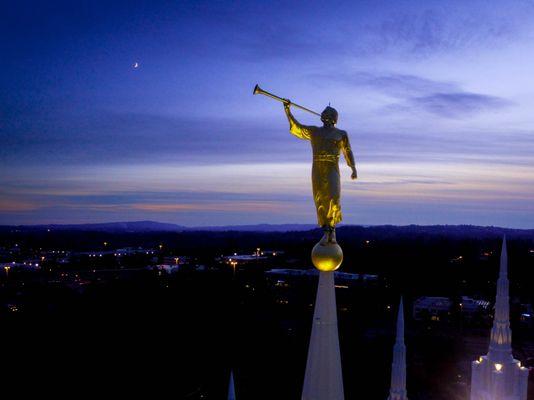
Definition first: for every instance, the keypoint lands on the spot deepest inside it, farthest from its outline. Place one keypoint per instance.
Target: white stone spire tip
(400, 321)
(231, 387)
(503, 271)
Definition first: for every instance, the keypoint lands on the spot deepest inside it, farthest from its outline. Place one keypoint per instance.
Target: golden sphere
(327, 256)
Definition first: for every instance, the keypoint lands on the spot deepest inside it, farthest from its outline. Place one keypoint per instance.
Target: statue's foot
(332, 236)
(329, 236)
(326, 236)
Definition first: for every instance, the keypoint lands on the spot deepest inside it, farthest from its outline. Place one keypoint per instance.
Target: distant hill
(152, 226)
(135, 226)
(451, 231)
(383, 230)
(258, 228)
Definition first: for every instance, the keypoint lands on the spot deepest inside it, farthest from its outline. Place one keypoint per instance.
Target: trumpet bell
(257, 90)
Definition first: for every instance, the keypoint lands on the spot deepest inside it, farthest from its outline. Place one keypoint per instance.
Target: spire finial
(503, 271)
(400, 322)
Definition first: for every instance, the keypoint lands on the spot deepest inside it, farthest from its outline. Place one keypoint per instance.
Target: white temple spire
(500, 349)
(323, 379)
(398, 366)
(231, 387)
(498, 375)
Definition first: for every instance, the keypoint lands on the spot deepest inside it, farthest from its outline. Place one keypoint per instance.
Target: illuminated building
(432, 308)
(439, 308)
(345, 277)
(497, 375)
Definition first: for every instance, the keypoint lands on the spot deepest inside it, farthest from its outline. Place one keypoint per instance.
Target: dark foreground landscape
(167, 314)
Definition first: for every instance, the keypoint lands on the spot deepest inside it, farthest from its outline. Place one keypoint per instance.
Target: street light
(234, 265)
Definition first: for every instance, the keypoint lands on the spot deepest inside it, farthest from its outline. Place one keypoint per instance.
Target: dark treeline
(415, 258)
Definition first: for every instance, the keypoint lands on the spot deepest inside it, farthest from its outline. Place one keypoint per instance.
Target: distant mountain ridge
(259, 228)
(153, 226)
(134, 226)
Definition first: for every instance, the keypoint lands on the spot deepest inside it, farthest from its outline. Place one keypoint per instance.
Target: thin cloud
(419, 32)
(390, 83)
(106, 137)
(16, 205)
(401, 85)
(460, 104)
(432, 31)
(442, 98)
(237, 206)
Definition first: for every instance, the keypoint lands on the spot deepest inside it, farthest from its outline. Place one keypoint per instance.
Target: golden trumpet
(258, 90)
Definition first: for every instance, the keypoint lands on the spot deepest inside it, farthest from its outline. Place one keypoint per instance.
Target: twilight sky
(437, 97)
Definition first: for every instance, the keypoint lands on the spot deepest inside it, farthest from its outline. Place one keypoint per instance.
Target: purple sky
(437, 97)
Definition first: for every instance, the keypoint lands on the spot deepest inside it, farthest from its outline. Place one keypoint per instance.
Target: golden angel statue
(327, 142)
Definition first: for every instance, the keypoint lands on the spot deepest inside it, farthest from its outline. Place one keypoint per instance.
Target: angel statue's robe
(326, 142)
